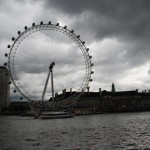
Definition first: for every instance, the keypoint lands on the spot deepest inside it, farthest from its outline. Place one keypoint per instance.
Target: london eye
(46, 58)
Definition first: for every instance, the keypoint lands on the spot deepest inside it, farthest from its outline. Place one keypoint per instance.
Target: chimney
(113, 88)
(137, 90)
(70, 90)
(64, 91)
(100, 91)
(56, 94)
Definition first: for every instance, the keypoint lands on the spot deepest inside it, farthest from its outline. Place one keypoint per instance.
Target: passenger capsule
(41, 22)
(25, 27)
(13, 38)
(21, 98)
(19, 32)
(14, 91)
(57, 24)
(90, 56)
(92, 64)
(78, 36)
(92, 72)
(9, 82)
(33, 24)
(83, 42)
(91, 80)
(8, 46)
(49, 22)
(72, 31)
(65, 27)
(87, 49)
(6, 55)
(5, 64)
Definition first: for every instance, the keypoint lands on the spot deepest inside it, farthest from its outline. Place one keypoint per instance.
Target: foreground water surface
(123, 131)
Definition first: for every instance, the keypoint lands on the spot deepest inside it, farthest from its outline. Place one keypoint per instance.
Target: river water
(122, 131)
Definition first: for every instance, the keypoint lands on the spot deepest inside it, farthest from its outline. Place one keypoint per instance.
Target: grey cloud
(128, 21)
(112, 18)
(96, 21)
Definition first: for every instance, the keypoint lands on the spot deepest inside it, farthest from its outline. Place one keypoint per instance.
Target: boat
(54, 115)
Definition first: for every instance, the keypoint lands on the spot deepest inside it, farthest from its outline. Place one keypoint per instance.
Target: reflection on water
(124, 131)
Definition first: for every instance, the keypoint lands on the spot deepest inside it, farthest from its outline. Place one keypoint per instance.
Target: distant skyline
(116, 32)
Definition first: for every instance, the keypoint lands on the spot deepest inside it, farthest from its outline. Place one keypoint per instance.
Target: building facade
(4, 88)
(109, 101)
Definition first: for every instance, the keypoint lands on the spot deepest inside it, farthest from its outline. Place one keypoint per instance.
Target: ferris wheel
(44, 59)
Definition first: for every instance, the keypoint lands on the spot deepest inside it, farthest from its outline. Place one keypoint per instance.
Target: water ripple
(124, 131)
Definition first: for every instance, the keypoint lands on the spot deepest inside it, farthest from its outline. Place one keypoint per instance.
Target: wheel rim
(20, 53)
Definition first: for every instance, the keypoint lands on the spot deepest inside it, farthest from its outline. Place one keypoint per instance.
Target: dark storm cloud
(128, 18)
(96, 20)
(116, 31)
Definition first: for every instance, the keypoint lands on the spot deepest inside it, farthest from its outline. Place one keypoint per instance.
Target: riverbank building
(4, 88)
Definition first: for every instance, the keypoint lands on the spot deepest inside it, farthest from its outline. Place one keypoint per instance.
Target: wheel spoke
(36, 48)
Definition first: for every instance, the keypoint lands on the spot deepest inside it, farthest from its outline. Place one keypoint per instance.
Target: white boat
(54, 115)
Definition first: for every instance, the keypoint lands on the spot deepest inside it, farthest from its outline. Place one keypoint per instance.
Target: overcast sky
(117, 33)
